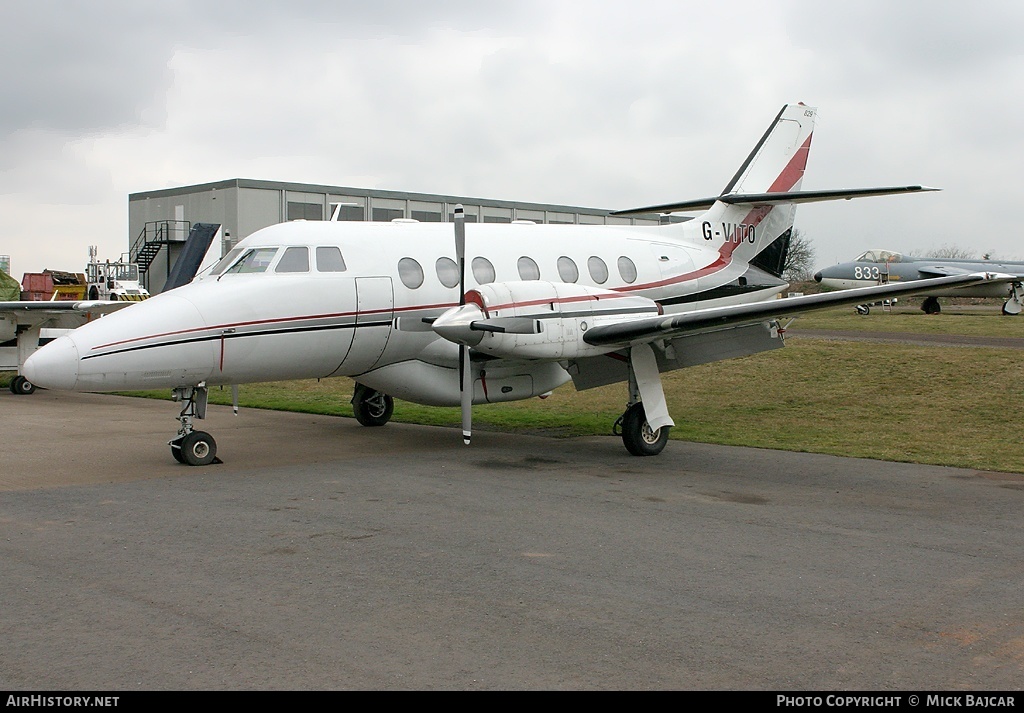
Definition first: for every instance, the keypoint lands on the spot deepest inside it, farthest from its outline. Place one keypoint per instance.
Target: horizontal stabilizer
(774, 198)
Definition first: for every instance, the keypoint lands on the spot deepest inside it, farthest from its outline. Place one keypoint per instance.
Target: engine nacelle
(538, 320)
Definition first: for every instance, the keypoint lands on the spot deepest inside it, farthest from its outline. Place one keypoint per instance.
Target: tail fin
(743, 221)
(752, 219)
(756, 207)
(769, 175)
(778, 160)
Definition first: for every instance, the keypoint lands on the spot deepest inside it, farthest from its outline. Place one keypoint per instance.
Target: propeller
(465, 368)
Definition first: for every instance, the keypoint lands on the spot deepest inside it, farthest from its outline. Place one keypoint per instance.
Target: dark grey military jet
(875, 267)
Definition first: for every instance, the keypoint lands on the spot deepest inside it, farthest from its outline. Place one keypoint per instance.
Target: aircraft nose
(54, 366)
(817, 276)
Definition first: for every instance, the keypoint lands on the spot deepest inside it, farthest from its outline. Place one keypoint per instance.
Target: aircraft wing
(59, 314)
(649, 329)
(939, 270)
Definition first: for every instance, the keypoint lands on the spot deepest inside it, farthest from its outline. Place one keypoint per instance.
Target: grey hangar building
(160, 221)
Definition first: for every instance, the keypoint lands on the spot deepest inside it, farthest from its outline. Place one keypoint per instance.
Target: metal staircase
(154, 236)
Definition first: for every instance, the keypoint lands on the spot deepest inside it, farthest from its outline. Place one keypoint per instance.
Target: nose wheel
(193, 447)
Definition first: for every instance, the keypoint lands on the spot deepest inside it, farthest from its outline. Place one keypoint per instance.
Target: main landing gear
(193, 447)
(372, 408)
(637, 435)
(644, 425)
(931, 305)
(20, 386)
(1015, 303)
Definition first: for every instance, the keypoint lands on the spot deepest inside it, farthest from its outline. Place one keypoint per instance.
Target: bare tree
(946, 252)
(799, 265)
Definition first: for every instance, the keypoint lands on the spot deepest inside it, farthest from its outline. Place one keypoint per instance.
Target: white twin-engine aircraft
(507, 312)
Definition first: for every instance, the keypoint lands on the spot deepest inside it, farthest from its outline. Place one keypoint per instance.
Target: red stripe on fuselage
(279, 320)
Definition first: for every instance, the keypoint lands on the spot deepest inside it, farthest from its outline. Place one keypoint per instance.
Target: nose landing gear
(193, 447)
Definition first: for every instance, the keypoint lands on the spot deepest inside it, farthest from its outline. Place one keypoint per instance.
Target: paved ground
(322, 555)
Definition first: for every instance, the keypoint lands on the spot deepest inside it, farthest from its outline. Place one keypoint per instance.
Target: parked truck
(113, 280)
(107, 280)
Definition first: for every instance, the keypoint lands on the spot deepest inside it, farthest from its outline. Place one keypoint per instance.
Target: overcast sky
(593, 103)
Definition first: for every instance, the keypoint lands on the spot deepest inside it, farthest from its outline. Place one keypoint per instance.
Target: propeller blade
(460, 250)
(467, 394)
(465, 370)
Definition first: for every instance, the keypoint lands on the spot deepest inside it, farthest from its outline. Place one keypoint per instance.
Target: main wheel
(638, 436)
(198, 448)
(22, 386)
(372, 408)
(863, 309)
(931, 305)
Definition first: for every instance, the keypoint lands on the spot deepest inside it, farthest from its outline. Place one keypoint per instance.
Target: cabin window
(410, 273)
(598, 269)
(447, 271)
(627, 270)
(255, 260)
(528, 269)
(329, 259)
(483, 270)
(567, 269)
(294, 260)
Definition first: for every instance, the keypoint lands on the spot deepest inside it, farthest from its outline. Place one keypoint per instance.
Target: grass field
(923, 404)
(911, 320)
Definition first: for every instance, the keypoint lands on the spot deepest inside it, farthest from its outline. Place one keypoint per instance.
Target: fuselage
(319, 299)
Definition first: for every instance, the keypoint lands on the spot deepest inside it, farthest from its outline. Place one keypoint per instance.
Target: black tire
(372, 408)
(863, 309)
(931, 305)
(198, 448)
(94, 294)
(20, 386)
(637, 435)
(176, 450)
